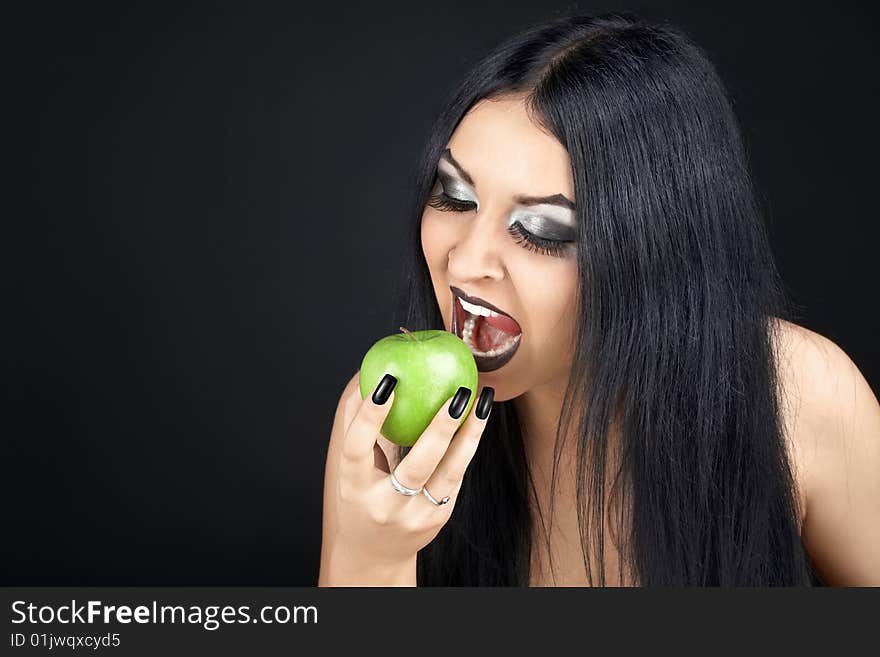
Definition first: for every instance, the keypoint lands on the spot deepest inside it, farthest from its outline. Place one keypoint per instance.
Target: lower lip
(484, 363)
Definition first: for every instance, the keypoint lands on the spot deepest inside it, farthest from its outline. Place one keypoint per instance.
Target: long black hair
(678, 299)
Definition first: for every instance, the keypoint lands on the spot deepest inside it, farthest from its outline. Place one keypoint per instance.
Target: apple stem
(408, 333)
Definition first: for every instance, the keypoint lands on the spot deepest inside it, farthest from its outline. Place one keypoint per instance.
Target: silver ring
(431, 498)
(403, 490)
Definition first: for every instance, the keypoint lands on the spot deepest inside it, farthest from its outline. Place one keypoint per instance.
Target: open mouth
(492, 335)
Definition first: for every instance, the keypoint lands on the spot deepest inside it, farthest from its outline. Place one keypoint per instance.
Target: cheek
(437, 240)
(551, 306)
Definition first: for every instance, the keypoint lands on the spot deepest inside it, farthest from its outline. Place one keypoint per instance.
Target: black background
(203, 207)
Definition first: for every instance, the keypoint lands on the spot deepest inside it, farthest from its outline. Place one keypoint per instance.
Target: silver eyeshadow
(551, 222)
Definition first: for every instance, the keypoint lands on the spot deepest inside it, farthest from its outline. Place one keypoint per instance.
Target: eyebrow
(555, 199)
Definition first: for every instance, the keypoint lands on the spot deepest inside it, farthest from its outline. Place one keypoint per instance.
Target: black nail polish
(383, 390)
(484, 403)
(456, 408)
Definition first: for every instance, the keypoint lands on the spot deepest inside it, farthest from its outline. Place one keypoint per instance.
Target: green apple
(429, 367)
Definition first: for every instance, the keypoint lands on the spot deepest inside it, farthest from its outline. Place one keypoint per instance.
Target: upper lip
(477, 300)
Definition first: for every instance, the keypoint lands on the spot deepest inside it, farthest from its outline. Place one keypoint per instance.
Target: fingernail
(456, 408)
(383, 390)
(484, 403)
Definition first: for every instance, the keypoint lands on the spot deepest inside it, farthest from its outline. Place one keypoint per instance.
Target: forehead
(497, 143)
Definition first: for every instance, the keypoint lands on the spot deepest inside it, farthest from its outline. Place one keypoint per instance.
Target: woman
(658, 417)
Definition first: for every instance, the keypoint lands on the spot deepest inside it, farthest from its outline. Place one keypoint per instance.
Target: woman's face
(487, 232)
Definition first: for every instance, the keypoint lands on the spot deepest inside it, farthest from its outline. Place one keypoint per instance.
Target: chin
(504, 390)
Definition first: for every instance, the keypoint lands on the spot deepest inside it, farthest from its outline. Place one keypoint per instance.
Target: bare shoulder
(821, 386)
(818, 384)
(832, 421)
(814, 359)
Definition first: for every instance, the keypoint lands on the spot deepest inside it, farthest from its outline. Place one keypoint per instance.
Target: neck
(538, 411)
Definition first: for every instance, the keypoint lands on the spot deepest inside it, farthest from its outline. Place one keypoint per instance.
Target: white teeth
(467, 331)
(474, 309)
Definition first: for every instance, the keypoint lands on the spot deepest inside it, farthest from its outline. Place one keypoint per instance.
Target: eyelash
(524, 238)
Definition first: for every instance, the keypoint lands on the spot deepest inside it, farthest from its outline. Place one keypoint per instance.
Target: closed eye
(445, 203)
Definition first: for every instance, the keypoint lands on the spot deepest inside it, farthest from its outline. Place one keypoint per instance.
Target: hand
(370, 526)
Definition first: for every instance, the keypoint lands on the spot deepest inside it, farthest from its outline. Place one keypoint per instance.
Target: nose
(476, 255)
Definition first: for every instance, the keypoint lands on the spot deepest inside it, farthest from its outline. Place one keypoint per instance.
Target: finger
(367, 423)
(427, 451)
(449, 473)
(352, 403)
(429, 511)
(391, 450)
(380, 461)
